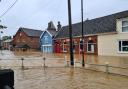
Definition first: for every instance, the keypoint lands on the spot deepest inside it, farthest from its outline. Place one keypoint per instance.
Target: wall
(108, 44)
(44, 41)
(22, 38)
(64, 44)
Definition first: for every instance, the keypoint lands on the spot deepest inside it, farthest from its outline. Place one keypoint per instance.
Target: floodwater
(35, 59)
(67, 78)
(56, 76)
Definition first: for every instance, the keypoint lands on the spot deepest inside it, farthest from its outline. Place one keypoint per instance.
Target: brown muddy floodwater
(67, 78)
(57, 76)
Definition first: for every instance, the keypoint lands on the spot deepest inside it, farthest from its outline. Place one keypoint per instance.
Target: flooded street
(67, 78)
(57, 75)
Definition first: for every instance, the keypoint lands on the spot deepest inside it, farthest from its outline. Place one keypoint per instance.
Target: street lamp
(70, 33)
(83, 62)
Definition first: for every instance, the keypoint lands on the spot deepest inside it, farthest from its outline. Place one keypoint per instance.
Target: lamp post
(83, 62)
(70, 33)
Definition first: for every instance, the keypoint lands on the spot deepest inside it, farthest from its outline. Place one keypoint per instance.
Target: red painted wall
(64, 44)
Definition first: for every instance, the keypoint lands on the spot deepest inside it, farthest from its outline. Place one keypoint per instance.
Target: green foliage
(2, 27)
(6, 38)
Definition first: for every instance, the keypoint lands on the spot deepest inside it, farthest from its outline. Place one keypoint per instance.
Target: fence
(25, 63)
(105, 68)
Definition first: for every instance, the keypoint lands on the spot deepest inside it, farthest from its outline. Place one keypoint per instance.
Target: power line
(9, 9)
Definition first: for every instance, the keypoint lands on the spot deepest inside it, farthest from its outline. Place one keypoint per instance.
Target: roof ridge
(29, 29)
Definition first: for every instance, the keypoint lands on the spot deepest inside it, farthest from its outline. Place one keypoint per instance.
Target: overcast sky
(37, 13)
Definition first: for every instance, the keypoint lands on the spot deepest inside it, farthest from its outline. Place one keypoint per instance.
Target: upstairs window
(123, 46)
(46, 39)
(125, 26)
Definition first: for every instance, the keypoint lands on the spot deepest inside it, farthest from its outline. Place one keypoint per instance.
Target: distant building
(27, 38)
(106, 35)
(7, 44)
(47, 38)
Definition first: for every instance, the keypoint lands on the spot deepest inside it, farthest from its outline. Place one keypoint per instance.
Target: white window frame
(124, 26)
(88, 49)
(121, 46)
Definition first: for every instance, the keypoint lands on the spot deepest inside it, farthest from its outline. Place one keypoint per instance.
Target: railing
(106, 68)
(25, 63)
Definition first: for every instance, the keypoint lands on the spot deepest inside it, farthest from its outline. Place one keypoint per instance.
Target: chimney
(58, 26)
(49, 25)
(87, 19)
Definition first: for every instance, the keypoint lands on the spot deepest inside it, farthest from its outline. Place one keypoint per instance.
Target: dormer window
(125, 26)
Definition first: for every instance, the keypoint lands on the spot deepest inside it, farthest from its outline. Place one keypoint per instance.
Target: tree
(6, 38)
(2, 27)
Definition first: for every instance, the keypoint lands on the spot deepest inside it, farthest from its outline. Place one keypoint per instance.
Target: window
(123, 46)
(125, 26)
(90, 46)
(46, 39)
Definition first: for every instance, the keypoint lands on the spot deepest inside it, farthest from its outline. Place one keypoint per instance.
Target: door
(57, 48)
(47, 49)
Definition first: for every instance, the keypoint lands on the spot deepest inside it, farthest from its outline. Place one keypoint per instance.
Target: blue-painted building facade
(46, 42)
(46, 39)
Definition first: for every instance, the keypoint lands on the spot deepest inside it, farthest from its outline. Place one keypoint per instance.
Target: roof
(95, 26)
(31, 32)
(50, 29)
(7, 41)
(52, 32)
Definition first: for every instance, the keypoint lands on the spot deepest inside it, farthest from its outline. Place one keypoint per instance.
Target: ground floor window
(47, 48)
(90, 46)
(123, 46)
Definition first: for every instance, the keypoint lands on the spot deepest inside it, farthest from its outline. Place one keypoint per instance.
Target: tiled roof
(31, 32)
(52, 32)
(104, 24)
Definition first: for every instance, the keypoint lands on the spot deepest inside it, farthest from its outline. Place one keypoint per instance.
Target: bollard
(74, 62)
(22, 65)
(65, 61)
(44, 62)
(107, 67)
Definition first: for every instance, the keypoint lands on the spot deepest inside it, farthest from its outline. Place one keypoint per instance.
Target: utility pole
(70, 33)
(83, 62)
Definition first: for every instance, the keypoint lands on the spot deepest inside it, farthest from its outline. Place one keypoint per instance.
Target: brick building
(26, 37)
(106, 35)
